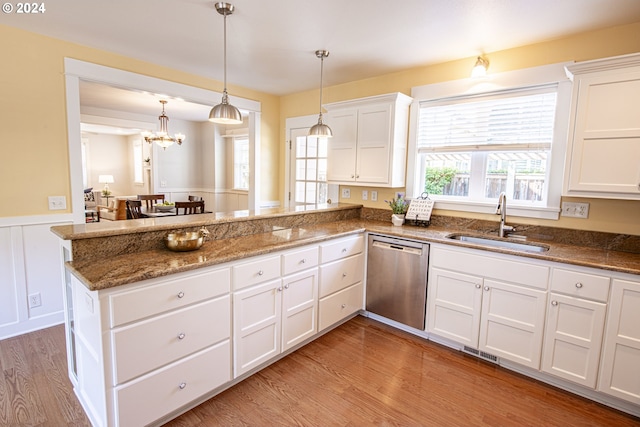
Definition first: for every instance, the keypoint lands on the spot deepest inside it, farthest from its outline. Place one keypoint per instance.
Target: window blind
(510, 120)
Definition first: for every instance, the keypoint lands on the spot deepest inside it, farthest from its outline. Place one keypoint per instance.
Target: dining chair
(195, 199)
(151, 199)
(188, 208)
(134, 209)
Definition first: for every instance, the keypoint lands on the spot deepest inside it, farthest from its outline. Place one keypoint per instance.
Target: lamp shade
(105, 179)
(320, 130)
(225, 113)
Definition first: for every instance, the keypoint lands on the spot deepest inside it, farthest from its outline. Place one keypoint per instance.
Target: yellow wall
(617, 216)
(34, 161)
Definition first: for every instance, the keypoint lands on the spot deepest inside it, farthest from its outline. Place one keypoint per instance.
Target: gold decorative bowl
(186, 240)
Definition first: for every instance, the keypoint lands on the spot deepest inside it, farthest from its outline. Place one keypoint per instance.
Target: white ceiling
(271, 44)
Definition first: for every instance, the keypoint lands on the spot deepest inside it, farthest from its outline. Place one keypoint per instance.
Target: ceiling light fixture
(225, 113)
(320, 129)
(481, 67)
(162, 137)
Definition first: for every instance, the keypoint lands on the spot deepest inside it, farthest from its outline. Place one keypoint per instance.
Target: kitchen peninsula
(267, 284)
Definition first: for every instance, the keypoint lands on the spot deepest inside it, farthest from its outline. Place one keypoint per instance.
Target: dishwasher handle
(400, 248)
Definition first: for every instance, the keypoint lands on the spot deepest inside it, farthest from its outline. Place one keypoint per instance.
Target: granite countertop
(118, 270)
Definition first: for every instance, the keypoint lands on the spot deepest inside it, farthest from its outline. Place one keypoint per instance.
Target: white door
(308, 170)
(256, 325)
(619, 373)
(454, 306)
(573, 338)
(512, 322)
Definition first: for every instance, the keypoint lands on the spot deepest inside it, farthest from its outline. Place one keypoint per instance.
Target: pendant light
(320, 129)
(162, 137)
(481, 67)
(225, 113)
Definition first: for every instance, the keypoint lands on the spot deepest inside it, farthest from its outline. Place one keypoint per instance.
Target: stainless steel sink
(499, 243)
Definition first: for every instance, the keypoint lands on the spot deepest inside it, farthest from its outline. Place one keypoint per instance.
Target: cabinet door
(512, 324)
(619, 373)
(454, 305)
(300, 307)
(573, 339)
(341, 153)
(257, 322)
(374, 144)
(606, 141)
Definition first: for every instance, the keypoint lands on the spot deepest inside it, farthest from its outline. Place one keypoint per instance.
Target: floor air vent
(484, 355)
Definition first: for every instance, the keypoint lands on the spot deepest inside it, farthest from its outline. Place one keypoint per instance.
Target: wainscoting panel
(30, 264)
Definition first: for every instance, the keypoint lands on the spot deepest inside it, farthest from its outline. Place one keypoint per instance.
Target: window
(310, 170)
(241, 163)
(470, 148)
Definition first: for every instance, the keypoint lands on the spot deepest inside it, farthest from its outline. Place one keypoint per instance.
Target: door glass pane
(312, 147)
(311, 192)
(322, 147)
(300, 192)
(311, 169)
(301, 146)
(300, 169)
(322, 170)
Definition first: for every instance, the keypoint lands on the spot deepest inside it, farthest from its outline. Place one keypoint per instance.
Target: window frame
(507, 81)
(234, 141)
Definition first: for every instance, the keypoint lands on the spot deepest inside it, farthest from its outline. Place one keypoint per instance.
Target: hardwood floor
(363, 373)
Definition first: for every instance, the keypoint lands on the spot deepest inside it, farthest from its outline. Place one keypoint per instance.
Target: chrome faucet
(501, 209)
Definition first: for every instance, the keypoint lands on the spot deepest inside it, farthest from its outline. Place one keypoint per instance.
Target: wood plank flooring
(363, 373)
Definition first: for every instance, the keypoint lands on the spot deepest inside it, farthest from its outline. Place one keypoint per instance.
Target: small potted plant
(399, 208)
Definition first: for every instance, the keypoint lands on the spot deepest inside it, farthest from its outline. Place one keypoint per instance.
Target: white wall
(110, 155)
(30, 263)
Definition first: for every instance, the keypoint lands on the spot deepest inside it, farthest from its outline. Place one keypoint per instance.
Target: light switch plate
(365, 194)
(57, 203)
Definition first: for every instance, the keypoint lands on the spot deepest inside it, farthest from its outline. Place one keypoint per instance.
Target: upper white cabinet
(603, 155)
(369, 143)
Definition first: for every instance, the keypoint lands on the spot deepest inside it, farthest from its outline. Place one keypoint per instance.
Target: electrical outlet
(374, 196)
(35, 300)
(575, 210)
(346, 193)
(163, 183)
(365, 195)
(57, 203)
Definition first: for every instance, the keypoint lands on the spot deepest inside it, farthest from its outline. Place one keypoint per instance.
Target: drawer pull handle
(486, 288)
(578, 285)
(303, 260)
(181, 336)
(344, 274)
(280, 289)
(344, 250)
(478, 285)
(182, 386)
(286, 286)
(344, 305)
(554, 303)
(260, 273)
(180, 294)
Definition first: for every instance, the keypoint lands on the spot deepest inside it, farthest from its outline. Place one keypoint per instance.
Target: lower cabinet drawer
(162, 392)
(341, 274)
(581, 285)
(336, 307)
(147, 345)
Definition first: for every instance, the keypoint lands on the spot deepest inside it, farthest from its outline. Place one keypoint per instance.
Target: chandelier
(162, 137)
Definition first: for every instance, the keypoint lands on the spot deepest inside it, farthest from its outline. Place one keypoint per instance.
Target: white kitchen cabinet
(167, 339)
(487, 302)
(575, 323)
(273, 316)
(619, 370)
(603, 156)
(341, 290)
(369, 143)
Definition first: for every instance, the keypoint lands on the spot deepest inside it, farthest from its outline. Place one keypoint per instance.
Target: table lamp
(106, 180)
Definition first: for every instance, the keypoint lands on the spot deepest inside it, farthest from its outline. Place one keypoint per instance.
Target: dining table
(154, 212)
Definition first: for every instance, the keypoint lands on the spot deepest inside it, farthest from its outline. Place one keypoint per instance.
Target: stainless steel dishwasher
(397, 279)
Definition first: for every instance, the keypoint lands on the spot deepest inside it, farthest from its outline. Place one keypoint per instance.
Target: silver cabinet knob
(344, 250)
(286, 286)
(180, 294)
(260, 273)
(344, 305)
(280, 289)
(353, 176)
(478, 285)
(181, 336)
(344, 274)
(578, 285)
(303, 260)
(554, 303)
(486, 288)
(182, 386)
